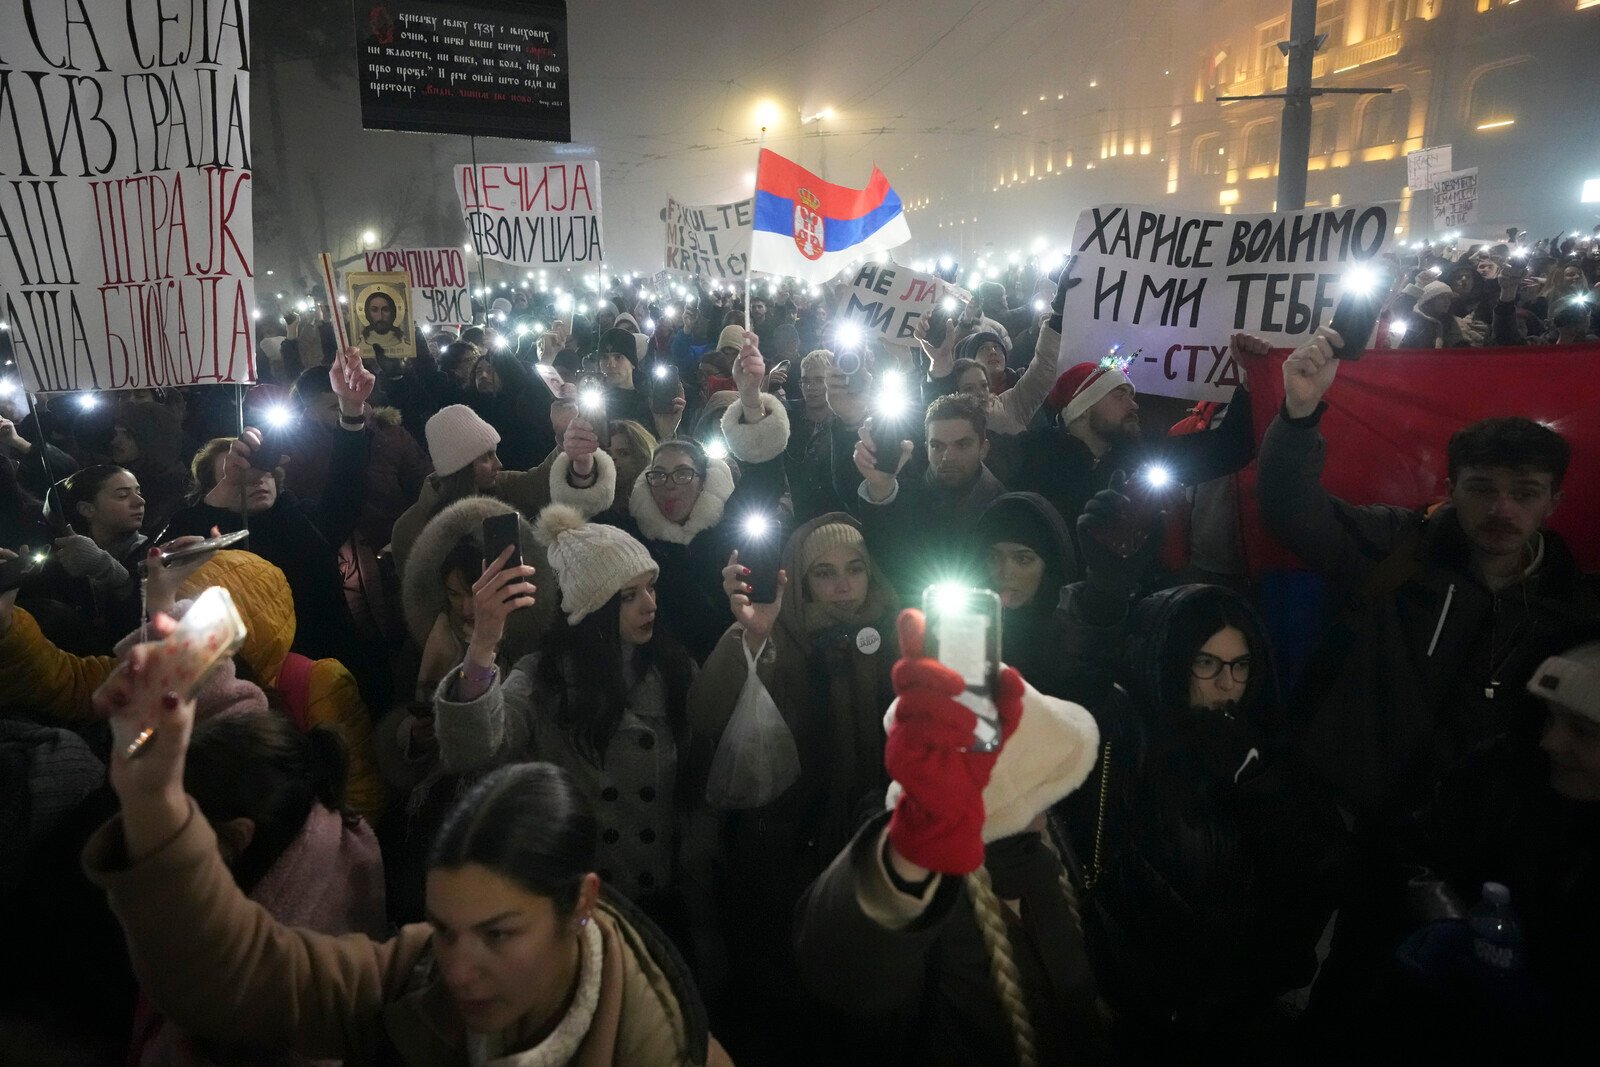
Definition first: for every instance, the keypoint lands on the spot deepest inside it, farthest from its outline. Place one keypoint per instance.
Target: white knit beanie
(592, 561)
(1433, 289)
(456, 437)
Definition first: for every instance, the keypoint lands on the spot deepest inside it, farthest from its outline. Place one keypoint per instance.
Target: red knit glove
(938, 821)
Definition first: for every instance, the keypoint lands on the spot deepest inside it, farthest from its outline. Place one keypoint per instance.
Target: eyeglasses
(656, 477)
(1207, 667)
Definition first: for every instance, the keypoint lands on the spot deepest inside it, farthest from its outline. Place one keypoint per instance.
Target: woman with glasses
(686, 510)
(1209, 863)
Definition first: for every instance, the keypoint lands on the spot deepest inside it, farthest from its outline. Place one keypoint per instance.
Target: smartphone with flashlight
(1146, 492)
(938, 328)
(664, 386)
(1357, 311)
(963, 633)
(592, 400)
(274, 444)
(760, 546)
(500, 532)
(210, 632)
(13, 572)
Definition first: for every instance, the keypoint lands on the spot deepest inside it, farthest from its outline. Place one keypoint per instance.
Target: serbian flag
(810, 229)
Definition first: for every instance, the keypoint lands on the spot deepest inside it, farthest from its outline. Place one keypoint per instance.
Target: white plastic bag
(756, 759)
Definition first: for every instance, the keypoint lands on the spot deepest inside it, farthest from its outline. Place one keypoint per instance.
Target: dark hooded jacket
(1033, 635)
(1403, 686)
(164, 479)
(519, 412)
(1210, 865)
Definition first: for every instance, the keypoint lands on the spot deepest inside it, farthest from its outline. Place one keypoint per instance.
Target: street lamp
(368, 238)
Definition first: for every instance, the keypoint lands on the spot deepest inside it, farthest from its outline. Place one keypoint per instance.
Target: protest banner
(712, 241)
(127, 253)
(1167, 289)
(486, 69)
(438, 283)
(380, 313)
(1455, 198)
(886, 301)
(532, 214)
(1424, 166)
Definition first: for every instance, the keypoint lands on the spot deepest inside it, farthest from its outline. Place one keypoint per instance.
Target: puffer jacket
(1211, 865)
(353, 998)
(36, 674)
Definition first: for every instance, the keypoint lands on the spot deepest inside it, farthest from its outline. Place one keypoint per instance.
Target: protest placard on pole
(1455, 198)
(887, 300)
(486, 69)
(711, 240)
(129, 255)
(1424, 166)
(532, 214)
(438, 283)
(1169, 288)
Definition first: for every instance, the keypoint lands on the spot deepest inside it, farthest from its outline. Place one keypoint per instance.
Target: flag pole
(761, 146)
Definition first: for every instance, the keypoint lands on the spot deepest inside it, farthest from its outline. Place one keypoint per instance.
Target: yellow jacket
(36, 674)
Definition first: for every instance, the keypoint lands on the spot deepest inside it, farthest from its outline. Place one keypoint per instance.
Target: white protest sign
(1423, 167)
(127, 258)
(712, 240)
(532, 214)
(1170, 287)
(1455, 198)
(438, 282)
(886, 300)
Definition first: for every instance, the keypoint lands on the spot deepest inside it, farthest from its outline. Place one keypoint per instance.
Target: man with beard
(918, 523)
(1098, 437)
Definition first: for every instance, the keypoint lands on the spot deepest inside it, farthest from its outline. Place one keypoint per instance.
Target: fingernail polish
(154, 552)
(170, 701)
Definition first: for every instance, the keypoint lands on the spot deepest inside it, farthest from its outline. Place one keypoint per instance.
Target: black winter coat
(1212, 865)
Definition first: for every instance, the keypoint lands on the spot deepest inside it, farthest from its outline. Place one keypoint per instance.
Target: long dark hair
(584, 664)
(528, 823)
(260, 766)
(1195, 623)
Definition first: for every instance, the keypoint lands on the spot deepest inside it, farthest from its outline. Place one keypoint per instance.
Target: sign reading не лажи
(127, 258)
(1168, 288)
(484, 69)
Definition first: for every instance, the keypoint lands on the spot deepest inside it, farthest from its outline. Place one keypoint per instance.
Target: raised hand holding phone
(756, 618)
(1309, 372)
(502, 589)
(937, 823)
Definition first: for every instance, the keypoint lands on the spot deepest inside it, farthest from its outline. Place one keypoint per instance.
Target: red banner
(1390, 416)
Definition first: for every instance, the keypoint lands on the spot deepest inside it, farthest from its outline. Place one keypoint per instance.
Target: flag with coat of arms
(811, 229)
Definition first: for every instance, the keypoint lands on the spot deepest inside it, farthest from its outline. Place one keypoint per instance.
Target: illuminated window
(1261, 144)
(1210, 156)
(1383, 119)
(1330, 20)
(1387, 15)
(1324, 131)
(1495, 92)
(1268, 57)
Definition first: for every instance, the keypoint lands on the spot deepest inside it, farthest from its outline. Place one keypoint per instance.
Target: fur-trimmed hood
(422, 590)
(705, 514)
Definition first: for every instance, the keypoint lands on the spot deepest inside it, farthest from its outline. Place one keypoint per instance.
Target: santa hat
(1051, 753)
(1082, 386)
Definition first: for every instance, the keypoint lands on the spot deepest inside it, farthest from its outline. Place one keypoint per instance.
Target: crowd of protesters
(670, 778)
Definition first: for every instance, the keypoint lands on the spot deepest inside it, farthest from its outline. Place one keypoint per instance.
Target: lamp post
(825, 115)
